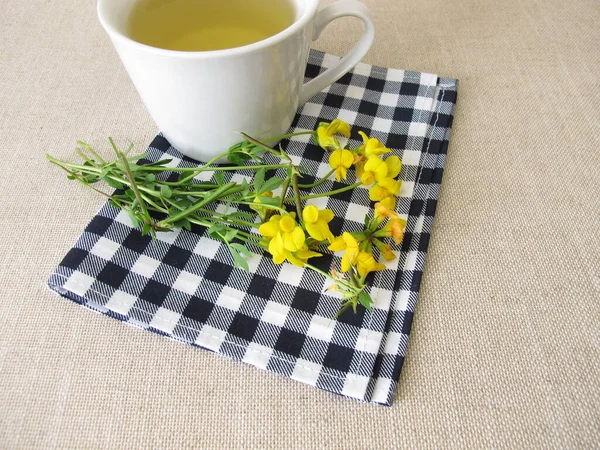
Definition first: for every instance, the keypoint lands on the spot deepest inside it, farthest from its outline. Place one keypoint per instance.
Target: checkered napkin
(279, 317)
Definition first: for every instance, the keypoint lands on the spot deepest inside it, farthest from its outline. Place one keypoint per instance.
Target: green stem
(317, 183)
(89, 148)
(328, 275)
(297, 197)
(192, 175)
(217, 193)
(133, 185)
(263, 205)
(286, 136)
(284, 189)
(224, 217)
(260, 144)
(89, 186)
(326, 194)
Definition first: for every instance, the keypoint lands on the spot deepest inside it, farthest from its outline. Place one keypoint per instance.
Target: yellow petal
(374, 147)
(269, 229)
(326, 141)
(299, 237)
(390, 185)
(310, 214)
(349, 240)
(335, 158)
(295, 260)
(306, 254)
(340, 173)
(387, 253)
(287, 224)
(345, 263)
(340, 127)
(314, 231)
(347, 158)
(279, 258)
(367, 178)
(359, 168)
(389, 203)
(326, 215)
(381, 209)
(365, 138)
(324, 230)
(338, 244)
(276, 246)
(394, 165)
(295, 240)
(376, 165)
(377, 193)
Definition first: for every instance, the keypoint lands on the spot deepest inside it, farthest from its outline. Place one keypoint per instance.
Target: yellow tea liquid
(201, 25)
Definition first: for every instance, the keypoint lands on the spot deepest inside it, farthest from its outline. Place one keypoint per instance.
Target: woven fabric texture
(504, 348)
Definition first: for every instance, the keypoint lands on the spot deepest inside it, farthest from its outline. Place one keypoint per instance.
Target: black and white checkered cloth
(278, 317)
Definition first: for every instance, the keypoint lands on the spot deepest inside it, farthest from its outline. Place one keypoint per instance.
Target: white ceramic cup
(202, 100)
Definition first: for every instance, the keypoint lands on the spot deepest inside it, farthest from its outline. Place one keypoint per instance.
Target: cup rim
(112, 31)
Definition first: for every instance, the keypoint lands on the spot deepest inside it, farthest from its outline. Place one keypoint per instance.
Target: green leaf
(259, 179)
(162, 162)
(238, 157)
(150, 178)
(134, 219)
(114, 184)
(136, 157)
(230, 234)
(303, 169)
(166, 191)
(270, 185)
(365, 300)
(129, 193)
(90, 178)
(242, 249)
(216, 231)
(184, 223)
(145, 229)
(239, 261)
(220, 178)
(270, 201)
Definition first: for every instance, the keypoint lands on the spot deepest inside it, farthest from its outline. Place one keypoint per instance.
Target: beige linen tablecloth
(505, 347)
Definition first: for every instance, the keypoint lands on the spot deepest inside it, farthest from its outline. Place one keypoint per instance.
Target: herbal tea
(201, 25)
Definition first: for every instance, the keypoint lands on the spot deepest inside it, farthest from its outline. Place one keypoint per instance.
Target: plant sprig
(159, 198)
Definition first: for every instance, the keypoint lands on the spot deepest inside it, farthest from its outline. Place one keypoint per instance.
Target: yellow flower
(385, 187)
(341, 160)
(366, 263)
(316, 222)
(261, 210)
(389, 203)
(385, 250)
(374, 169)
(300, 257)
(372, 146)
(346, 242)
(394, 228)
(286, 236)
(394, 165)
(325, 133)
(382, 211)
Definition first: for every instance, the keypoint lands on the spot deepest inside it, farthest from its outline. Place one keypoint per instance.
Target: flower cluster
(370, 168)
(295, 241)
(286, 240)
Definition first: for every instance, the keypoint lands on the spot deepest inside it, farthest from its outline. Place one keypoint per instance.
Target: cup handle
(340, 8)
